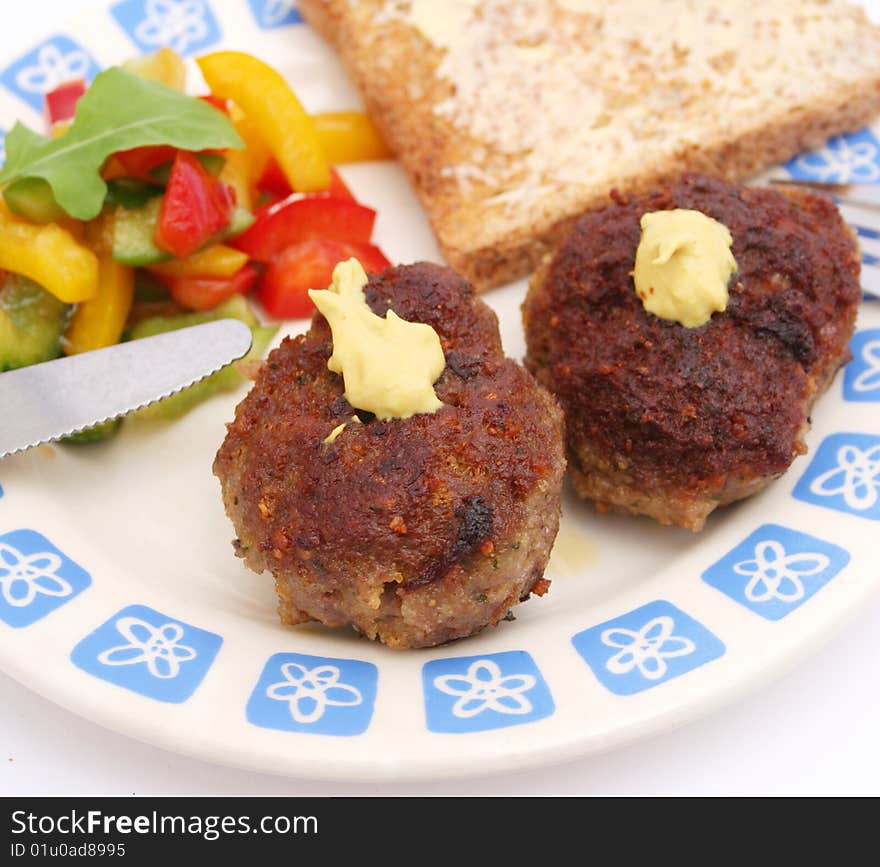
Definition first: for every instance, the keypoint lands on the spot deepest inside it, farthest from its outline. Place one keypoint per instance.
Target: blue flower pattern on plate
(844, 475)
(148, 652)
(846, 159)
(35, 578)
(478, 693)
(51, 63)
(775, 570)
(772, 572)
(646, 647)
(314, 694)
(861, 377)
(270, 14)
(187, 26)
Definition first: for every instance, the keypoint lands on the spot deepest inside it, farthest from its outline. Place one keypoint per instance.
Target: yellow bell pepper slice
(216, 261)
(165, 66)
(256, 149)
(100, 321)
(266, 98)
(349, 137)
(113, 169)
(238, 172)
(50, 256)
(58, 129)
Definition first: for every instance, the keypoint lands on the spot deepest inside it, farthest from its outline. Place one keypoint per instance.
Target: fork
(859, 205)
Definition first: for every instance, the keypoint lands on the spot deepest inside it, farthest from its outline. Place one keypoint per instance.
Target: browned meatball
(669, 421)
(413, 531)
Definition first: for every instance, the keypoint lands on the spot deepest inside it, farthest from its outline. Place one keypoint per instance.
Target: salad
(143, 209)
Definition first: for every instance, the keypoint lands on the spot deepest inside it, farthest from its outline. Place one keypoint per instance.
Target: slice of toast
(512, 117)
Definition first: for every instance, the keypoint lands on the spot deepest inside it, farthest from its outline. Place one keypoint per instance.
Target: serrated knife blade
(57, 398)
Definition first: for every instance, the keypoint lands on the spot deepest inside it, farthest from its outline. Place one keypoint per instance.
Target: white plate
(139, 522)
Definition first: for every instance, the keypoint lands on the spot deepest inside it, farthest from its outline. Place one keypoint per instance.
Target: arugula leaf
(119, 111)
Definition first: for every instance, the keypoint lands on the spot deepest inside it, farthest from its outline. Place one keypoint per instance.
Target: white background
(813, 731)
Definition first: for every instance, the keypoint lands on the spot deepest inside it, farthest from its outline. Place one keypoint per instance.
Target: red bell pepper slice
(139, 162)
(274, 184)
(283, 289)
(305, 217)
(273, 181)
(195, 207)
(205, 293)
(337, 187)
(216, 101)
(60, 103)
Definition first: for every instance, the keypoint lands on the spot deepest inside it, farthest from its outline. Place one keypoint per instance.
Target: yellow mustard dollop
(389, 365)
(683, 266)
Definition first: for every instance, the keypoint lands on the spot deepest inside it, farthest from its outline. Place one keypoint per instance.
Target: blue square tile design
(844, 475)
(148, 652)
(478, 693)
(187, 26)
(861, 377)
(646, 647)
(314, 694)
(52, 62)
(776, 570)
(845, 159)
(270, 14)
(35, 577)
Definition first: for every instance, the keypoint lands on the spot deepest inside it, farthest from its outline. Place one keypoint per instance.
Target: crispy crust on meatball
(669, 421)
(414, 531)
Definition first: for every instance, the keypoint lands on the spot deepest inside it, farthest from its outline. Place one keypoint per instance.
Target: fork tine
(863, 195)
(870, 251)
(866, 224)
(864, 218)
(866, 221)
(867, 232)
(871, 281)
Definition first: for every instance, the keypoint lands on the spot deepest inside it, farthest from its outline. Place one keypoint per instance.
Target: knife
(864, 195)
(47, 401)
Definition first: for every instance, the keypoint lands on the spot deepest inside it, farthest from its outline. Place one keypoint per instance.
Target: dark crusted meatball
(413, 531)
(669, 421)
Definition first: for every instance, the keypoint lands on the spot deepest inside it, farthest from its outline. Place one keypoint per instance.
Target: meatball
(668, 421)
(413, 531)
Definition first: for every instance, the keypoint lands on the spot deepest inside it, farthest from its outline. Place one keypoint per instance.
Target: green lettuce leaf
(119, 111)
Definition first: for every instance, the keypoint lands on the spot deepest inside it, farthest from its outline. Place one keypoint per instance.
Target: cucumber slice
(32, 322)
(242, 219)
(133, 233)
(212, 163)
(95, 434)
(130, 192)
(233, 308)
(225, 380)
(33, 199)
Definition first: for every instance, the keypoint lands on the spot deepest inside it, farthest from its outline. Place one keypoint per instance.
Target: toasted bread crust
(492, 243)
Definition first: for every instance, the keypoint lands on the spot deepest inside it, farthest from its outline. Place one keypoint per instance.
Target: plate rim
(297, 762)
